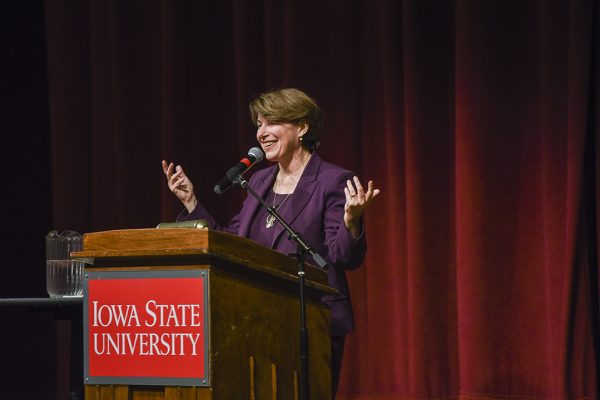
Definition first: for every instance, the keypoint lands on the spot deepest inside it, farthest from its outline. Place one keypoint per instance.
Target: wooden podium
(251, 317)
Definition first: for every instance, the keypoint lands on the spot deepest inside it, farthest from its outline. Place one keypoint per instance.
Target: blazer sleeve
(200, 212)
(343, 250)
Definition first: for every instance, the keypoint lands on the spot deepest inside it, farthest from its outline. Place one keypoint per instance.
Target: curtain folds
(478, 120)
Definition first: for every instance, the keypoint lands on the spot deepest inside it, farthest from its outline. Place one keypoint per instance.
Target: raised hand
(357, 200)
(180, 185)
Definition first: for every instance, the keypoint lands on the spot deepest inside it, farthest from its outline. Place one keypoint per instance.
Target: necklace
(270, 217)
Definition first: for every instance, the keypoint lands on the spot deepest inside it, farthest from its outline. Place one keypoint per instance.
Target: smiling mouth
(267, 145)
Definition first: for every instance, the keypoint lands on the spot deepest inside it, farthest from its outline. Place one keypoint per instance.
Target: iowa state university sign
(146, 327)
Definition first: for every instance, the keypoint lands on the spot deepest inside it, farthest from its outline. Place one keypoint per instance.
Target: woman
(321, 201)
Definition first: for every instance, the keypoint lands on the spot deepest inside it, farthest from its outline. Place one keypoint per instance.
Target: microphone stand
(303, 249)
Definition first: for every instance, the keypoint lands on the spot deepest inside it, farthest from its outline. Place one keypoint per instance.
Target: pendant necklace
(270, 217)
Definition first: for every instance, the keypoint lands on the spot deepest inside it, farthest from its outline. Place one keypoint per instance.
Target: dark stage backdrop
(478, 119)
(27, 337)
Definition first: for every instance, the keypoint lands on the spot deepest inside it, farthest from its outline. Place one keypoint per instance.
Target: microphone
(255, 155)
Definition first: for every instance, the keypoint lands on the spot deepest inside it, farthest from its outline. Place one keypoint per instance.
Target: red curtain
(478, 119)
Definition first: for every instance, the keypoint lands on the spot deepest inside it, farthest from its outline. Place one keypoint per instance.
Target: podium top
(103, 249)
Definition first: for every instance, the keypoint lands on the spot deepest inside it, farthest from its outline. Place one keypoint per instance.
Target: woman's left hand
(357, 200)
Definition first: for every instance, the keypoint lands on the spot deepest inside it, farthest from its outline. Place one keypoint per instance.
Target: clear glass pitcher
(64, 276)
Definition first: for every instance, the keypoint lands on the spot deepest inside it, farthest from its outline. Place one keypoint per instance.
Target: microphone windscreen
(256, 153)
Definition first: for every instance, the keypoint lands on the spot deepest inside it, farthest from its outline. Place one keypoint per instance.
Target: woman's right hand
(180, 185)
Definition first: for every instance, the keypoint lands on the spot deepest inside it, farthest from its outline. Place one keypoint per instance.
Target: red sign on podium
(146, 327)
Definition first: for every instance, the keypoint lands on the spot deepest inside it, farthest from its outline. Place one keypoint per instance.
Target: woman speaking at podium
(323, 202)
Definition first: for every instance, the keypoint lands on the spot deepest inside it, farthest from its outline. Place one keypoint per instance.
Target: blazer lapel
(262, 186)
(300, 198)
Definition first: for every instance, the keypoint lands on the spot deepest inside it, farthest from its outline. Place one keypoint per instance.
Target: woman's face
(280, 142)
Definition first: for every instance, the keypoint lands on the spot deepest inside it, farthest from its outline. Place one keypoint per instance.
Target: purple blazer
(316, 212)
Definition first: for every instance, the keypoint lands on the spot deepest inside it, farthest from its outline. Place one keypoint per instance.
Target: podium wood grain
(254, 312)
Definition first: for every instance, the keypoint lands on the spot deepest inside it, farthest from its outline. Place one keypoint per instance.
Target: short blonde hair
(290, 105)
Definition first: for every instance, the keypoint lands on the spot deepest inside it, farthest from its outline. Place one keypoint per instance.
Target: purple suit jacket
(316, 212)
